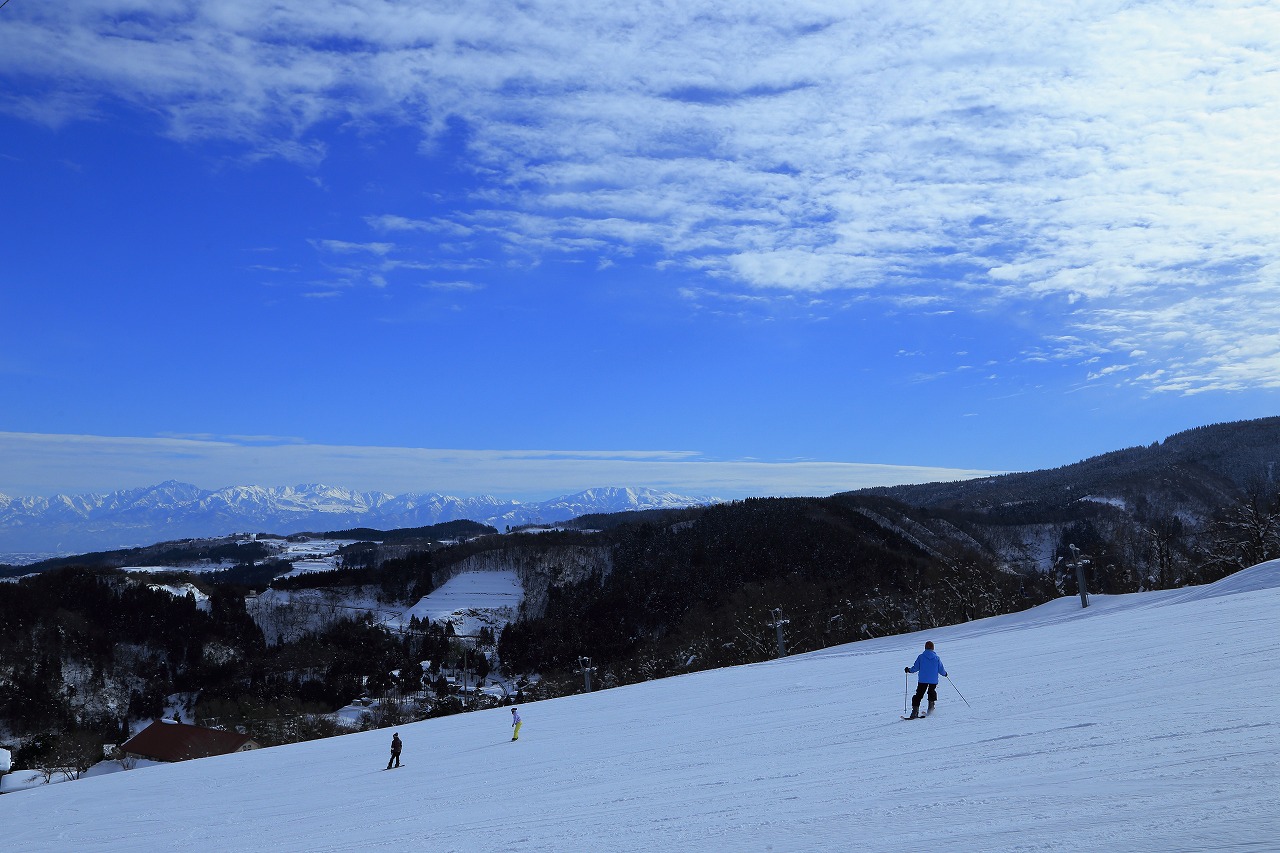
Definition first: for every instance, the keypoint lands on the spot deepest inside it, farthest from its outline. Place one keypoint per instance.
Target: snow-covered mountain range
(173, 510)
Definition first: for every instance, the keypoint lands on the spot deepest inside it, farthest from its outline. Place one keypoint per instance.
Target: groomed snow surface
(1144, 723)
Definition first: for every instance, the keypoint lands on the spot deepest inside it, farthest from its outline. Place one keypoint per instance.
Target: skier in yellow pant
(515, 724)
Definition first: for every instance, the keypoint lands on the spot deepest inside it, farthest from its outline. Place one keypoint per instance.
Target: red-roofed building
(172, 741)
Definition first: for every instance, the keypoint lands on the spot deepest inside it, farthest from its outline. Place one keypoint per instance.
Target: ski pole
(958, 693)
(906, 689)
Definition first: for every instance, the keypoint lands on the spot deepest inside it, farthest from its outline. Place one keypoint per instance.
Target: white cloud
(1098, 163)
(463, 286)
(37, 464)
(344, 247)
(392, 222)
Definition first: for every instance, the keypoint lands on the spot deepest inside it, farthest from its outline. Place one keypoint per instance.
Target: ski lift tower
(585, 667)
(1079, 567)
(778, 622)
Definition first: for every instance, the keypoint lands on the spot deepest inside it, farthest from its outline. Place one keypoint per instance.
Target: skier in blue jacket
(929, 665)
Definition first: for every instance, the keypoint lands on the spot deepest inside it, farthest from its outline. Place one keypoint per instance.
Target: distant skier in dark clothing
(929, 665)
(395, 751)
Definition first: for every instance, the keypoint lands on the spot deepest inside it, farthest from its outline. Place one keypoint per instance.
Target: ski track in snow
(1133, 725)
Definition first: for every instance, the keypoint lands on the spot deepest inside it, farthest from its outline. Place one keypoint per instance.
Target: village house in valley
(166, 740)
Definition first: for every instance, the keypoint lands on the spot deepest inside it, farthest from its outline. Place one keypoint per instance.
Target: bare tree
(388, 712)
(1248, 533)
(1166, 564)
(72, 756)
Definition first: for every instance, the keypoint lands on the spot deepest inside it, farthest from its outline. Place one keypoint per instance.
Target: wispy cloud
(344, 247)
(37, 464)
(392, 222)
(269, 440)
(1109, 167)
(457, 286)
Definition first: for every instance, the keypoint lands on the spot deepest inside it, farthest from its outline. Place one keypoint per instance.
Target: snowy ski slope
(1140, 724)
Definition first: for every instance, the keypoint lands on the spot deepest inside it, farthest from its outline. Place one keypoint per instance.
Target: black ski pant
(395, 759)
(920, 691)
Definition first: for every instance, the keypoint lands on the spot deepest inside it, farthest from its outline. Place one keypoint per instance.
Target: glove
(906, 669)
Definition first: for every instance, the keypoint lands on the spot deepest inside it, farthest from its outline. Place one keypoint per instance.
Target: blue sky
(524, 249)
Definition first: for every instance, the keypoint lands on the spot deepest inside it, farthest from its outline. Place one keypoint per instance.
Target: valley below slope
(1132, 725)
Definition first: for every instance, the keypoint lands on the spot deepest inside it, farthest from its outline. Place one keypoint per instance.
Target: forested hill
(703, 588)
(1195, 471)
(707, 590)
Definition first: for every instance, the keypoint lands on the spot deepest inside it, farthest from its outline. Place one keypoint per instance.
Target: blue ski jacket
(929, 665)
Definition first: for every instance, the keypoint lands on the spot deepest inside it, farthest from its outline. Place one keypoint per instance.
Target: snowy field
(1139, 724)
(307, 555)
(472, 600)
(313, 555)
(180, 590)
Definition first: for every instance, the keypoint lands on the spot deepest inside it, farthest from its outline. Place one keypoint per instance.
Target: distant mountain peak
(177, 510)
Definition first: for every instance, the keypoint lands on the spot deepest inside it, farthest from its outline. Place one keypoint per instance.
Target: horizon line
(50, 465)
